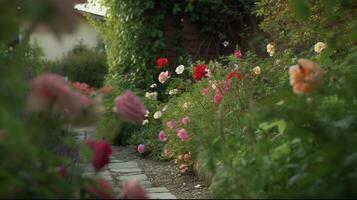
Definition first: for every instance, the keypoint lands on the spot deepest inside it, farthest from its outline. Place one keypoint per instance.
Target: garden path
(121, 170)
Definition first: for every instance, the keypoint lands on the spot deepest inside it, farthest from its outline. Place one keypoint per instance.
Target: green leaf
(280, 151)
(280, 124)
(300, 8)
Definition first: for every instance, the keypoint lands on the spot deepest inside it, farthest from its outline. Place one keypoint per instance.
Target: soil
(166, 174)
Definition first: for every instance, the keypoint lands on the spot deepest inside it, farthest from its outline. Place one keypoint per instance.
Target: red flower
(62, 170)
(199, 72)
(102, 151)
(162, 62)
(234, 74)
(101, 189)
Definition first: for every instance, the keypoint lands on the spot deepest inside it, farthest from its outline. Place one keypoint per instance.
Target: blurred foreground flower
(133, 190)
(102, 152)
(52, 91)
(304, 76)
(84, 88)
(101, 189)
(130, 108)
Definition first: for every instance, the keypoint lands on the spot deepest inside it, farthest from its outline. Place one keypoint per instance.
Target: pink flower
(163, 77)
(217, 98)
(52, 91)
(185, 120)
(183, 135)
(238, 54)
(166, 152)
(130, 107)
(183, 168)
(205, 91)
(162, 136)
(171, 124)
(102, 152)
(134, 190)
(141, 148)
(186, 157)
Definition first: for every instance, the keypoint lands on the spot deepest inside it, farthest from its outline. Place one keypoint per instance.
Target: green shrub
(85, 65)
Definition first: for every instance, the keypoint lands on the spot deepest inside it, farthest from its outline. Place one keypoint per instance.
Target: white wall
(54, 48)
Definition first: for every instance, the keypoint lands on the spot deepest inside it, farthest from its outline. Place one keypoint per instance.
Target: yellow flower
(257, 70)
(318, 47)
(270, 49)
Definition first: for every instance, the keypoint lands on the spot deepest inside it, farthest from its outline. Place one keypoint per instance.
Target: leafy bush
(85, 65)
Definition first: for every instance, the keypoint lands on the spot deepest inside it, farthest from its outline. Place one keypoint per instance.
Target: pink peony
(163, 77)
(141, 148)
(171, 124)
(162, 136)
(185, 120)
(130, 107)
(102, 152)
(183, 135)
(217, 98)
(134, 190)
(205, 91)
(186, 157)
(238, 54)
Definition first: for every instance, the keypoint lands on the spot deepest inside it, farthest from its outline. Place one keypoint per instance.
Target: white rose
(157, 114)
(164, 108)
(257, 70)
(147, 113)
(151, 95)
(318, 47)
(180, 69)
(153, 85)
(145, 121)
(270, 49)
(173, 91)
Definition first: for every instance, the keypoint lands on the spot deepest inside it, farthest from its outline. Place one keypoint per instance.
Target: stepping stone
(139, 177)
(157, 190)
(125, 170)
(161, 196)
(116, 161)
(123, 165)
(104, 173)
(107, 178)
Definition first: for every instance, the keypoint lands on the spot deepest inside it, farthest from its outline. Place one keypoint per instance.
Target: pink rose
(185, 120)
(101, 189)
(171, 124)
(186, 157)
(162, 136)
(134, 190)
(205, 91)
(183, 168)
(130, 107)
(141, 148)
(183, 135)
(217, 98)
(164, 76)
(238, 54)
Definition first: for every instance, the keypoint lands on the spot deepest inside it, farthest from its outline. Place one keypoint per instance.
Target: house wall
(55, 48)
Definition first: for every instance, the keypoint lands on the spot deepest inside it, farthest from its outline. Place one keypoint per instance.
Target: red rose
(162, 62)
(199, 72)
(234, 74)
(102, 151)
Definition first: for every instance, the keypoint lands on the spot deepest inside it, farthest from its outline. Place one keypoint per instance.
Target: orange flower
(304, 76)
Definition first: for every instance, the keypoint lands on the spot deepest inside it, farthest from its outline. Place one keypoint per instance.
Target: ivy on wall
(133, 31)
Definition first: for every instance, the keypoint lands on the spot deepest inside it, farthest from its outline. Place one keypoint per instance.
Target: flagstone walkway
(119, 171)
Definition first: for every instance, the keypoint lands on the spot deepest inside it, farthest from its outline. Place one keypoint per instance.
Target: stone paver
(120, 171)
